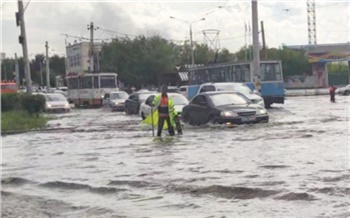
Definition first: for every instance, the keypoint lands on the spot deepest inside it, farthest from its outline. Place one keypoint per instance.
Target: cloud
(284, 21)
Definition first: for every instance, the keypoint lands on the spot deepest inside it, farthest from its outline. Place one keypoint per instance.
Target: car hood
(254, 97)
(243, 107)
(178, 108)
(118, 101)
(57, 103)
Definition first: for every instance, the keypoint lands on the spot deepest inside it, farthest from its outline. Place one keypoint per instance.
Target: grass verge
(21, 121)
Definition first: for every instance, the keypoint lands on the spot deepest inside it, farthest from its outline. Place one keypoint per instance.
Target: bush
(33, 104)
(9, 101)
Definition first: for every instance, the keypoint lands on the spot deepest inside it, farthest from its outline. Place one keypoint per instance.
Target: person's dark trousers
(332, 97)
(161, 121)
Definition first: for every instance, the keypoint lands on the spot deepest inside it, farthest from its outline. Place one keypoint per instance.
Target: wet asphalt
(98, 163)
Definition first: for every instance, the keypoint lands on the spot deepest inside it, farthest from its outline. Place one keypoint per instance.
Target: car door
(148, 105)
(199, 110)
(134, 104)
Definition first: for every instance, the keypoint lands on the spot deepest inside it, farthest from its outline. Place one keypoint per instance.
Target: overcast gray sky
(285, 22)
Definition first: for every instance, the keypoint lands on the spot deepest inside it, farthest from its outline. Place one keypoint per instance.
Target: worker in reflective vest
(166, 111)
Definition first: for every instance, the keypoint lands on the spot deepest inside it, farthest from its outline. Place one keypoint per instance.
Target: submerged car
(236, 87)
(133, 102)
(343, 90)
(223, 107)
(179, 102)
(56, 102)
(116, 100)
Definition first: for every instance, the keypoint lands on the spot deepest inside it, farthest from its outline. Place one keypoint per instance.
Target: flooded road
(103, 164)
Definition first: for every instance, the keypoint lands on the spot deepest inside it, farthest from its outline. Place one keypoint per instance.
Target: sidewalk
(306, 92)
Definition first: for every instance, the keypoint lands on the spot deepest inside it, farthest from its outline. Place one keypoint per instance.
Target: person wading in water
(166, 111)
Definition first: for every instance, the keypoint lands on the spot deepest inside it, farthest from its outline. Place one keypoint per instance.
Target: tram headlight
(228, 114)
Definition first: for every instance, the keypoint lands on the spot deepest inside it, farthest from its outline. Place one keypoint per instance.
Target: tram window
(107, 82)
(73, 83)
(96, 82)
(87, 82)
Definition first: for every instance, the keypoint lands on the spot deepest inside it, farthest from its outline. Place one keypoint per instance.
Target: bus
(89, 89)
(270, 85)
(8, 87)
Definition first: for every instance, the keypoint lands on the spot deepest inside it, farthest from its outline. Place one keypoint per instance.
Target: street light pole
(191, 39)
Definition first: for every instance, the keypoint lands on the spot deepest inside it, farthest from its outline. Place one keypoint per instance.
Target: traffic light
(18, 19)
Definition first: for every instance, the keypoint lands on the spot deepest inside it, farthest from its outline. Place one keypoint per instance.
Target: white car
(56, 102)
(179, 102)
(343, 90)
(230, 86)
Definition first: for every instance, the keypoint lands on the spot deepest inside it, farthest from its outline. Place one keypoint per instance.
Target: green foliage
(338, 68)
(9, 101)
(33, 104)
(21, 121)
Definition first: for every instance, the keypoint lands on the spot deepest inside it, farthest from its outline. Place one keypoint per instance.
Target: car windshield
(56, 97)
(179, 99)
(120, 95)
(238, 88)
(227, 99)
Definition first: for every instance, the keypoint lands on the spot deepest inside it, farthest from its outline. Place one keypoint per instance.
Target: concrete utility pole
(263, 39)
(23, 41)
(47, 67)
(92, 55)
(18, 82)
(256, 57)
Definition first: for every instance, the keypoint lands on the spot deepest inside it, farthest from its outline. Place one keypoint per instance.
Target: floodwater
(103, 164)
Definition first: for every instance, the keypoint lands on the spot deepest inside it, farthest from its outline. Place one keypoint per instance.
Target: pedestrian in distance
(166, 111)
(332, 93)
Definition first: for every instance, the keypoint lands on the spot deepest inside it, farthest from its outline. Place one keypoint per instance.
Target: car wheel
(347, 92)
(211, 119)
(127, 111)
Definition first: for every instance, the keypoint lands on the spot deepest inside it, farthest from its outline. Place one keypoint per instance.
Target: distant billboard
(328, 57)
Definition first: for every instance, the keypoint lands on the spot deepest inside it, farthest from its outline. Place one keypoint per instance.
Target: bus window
(270, 72)
(107, 81)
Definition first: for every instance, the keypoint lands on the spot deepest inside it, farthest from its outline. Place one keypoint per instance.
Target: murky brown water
(103, 164)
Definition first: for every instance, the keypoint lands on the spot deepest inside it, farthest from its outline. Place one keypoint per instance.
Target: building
(78, 57)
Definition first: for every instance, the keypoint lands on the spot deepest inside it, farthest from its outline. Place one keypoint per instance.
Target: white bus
(88, 89)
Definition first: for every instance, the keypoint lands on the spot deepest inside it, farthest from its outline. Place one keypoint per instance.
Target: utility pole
(92, 55)
(256, 56)
(192, 48)
(263, 39)
(23, 41)
(18, 82)
(47, 67)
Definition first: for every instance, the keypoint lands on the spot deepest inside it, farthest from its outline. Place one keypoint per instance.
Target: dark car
(223, 107)
(132, 104)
